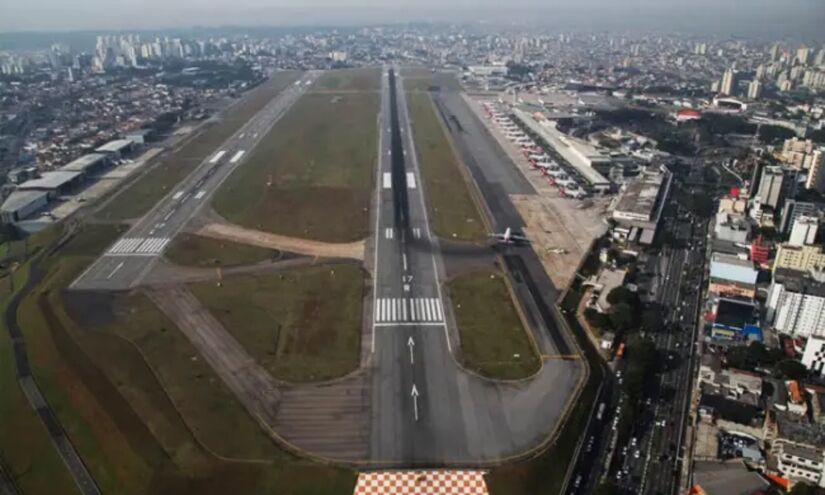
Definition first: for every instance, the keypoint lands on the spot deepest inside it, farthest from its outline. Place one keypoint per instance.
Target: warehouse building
(87, 164)
(21, 205)
(55, 183)
(116, 149)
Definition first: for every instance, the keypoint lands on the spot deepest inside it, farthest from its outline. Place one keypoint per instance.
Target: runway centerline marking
(118, 267)
(410, 180)
(387, 180)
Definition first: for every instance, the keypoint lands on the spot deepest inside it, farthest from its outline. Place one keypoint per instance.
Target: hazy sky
(779, 15)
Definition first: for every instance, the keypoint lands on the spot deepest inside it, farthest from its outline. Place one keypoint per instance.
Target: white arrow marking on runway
(118, 267)
(414, 394)
(411, 345)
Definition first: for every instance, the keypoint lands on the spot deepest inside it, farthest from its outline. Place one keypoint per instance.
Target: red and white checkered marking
(457, 482)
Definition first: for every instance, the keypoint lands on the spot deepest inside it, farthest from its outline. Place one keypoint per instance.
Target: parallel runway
(128, 260)
(425, 409)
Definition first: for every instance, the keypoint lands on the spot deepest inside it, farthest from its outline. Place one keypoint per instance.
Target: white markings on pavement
(388, 233)
(139, 245)
(414, 395)
(387, 180)
(200, 194)
(168, 215)
(217, 156)
(177, 195)
(406, 310)
(118, 267)
(416, 232)
(237, 156)
(411, 180)
(411, 345)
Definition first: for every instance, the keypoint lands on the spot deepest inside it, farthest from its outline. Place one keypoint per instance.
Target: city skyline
(734, 17)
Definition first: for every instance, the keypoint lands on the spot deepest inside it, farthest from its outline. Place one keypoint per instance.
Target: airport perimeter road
(130, 258)
(425, 409)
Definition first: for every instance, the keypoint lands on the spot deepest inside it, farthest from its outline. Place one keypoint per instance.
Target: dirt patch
(241, 235)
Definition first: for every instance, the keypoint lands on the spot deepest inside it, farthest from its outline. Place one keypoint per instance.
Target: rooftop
(21, 199)
(51, 180)
(115, 146)
(640, 195)
(84, 162)
(727, 478)
(735, 314)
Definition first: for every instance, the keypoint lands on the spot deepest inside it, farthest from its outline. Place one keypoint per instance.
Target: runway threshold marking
(217, 156)
(139, 245)
(410, 180)
(408, 310)
(387, 180)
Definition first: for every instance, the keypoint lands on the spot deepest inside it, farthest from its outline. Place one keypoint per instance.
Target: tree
(623, 317)
(806, 489)
(622, 295)
(792, 369)
(596, 318)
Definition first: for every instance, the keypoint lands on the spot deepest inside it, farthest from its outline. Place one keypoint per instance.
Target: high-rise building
(803, 53)
(754, 89)
(816, 171)
(775, 52)
(794, 209)
(770, 186)
(728, 83)
(796, 306)
(803, 232)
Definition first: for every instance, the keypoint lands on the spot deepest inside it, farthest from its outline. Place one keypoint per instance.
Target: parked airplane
(510, 237)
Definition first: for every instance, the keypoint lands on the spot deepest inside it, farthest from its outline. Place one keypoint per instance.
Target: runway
(426, 411)
(126, 262)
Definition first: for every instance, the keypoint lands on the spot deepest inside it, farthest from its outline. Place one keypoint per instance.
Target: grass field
(312, 176)
(362, 79)
(194, 250)
(453, 212)
(494, 341)
(302, 325)
(173, 166)
(423, 79)
(25, 447)
(143, 409)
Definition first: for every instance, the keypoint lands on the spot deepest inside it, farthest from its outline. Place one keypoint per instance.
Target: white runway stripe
(177, 195)
(237, 156)
(388, 233)
(217, 156)
(387, 180)
(200, 194)
(406, 310)
(411, 180)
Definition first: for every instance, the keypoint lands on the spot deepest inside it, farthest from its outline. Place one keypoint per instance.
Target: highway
(126, 262)
(648, 458)
(425, 409)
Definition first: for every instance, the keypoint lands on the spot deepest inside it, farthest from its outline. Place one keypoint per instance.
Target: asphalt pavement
(126, 262)
(426, 410)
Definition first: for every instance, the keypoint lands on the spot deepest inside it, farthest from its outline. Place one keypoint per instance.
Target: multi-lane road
(426, 410)
(130, 258)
